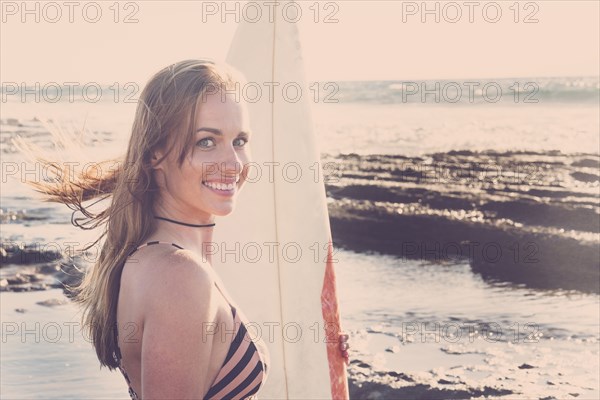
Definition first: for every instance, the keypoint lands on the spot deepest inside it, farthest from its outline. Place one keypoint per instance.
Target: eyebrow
(218, 131)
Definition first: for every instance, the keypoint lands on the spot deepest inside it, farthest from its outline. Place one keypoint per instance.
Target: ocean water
(375, 117)
(556, 332)
(46, 356)
(474, 331)
(445, 323)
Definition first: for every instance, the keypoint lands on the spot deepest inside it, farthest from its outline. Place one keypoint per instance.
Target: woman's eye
(202, 142)
(244, 141)
(205, 142)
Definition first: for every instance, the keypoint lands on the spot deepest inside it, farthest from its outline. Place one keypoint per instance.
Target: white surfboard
(283, 277)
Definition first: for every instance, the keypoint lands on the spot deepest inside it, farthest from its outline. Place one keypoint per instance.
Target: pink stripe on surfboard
(331, 315)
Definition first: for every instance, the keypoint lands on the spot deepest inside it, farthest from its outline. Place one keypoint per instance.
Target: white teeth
(220, 186)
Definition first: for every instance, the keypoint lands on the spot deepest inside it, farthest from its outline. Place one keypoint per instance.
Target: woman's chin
(223, 210)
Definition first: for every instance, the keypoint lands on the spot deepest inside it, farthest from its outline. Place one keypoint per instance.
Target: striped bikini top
(244, 370)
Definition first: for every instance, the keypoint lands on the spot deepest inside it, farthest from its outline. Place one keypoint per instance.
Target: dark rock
(53, 302)
(362, 390)
(526, 366)
(587, 163)
(14, 253)
(508, 214)
(400, 375)
(49, 269)
(20, 288)
(18, 279)
(585, 177)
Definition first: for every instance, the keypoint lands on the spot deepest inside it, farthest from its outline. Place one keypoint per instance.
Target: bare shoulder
(172, 280)
(178, 311)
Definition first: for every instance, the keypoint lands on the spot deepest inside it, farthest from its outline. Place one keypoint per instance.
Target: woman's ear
(155, 158)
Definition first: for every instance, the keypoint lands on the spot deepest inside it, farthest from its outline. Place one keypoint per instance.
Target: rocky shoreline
(518, 217)
(369, 384)
(521, 217)
(30, 268)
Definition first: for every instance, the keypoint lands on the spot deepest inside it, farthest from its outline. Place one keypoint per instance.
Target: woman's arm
(175, 350)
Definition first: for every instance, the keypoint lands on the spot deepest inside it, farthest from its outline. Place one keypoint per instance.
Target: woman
(152, 295)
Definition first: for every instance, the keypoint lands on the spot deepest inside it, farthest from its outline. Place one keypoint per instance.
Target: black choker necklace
(183, 223)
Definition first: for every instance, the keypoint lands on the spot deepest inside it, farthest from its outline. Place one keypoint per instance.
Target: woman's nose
(232, 165)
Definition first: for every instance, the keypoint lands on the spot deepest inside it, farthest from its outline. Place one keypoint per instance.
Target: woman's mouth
(221, 188)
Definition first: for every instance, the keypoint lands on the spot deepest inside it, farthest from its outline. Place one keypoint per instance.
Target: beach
(498, 340)
(467, 251)
(44, 353)
(520, 228)
(522, 217)
(437, 321)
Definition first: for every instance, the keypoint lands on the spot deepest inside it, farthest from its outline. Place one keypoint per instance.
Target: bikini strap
(154, 242)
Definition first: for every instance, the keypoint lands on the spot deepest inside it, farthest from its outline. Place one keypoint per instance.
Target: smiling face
(215, 168)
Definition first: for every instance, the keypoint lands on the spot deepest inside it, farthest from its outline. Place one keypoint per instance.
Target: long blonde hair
(164, 118)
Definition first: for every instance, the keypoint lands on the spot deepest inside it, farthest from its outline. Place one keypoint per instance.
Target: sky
(342, 40)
